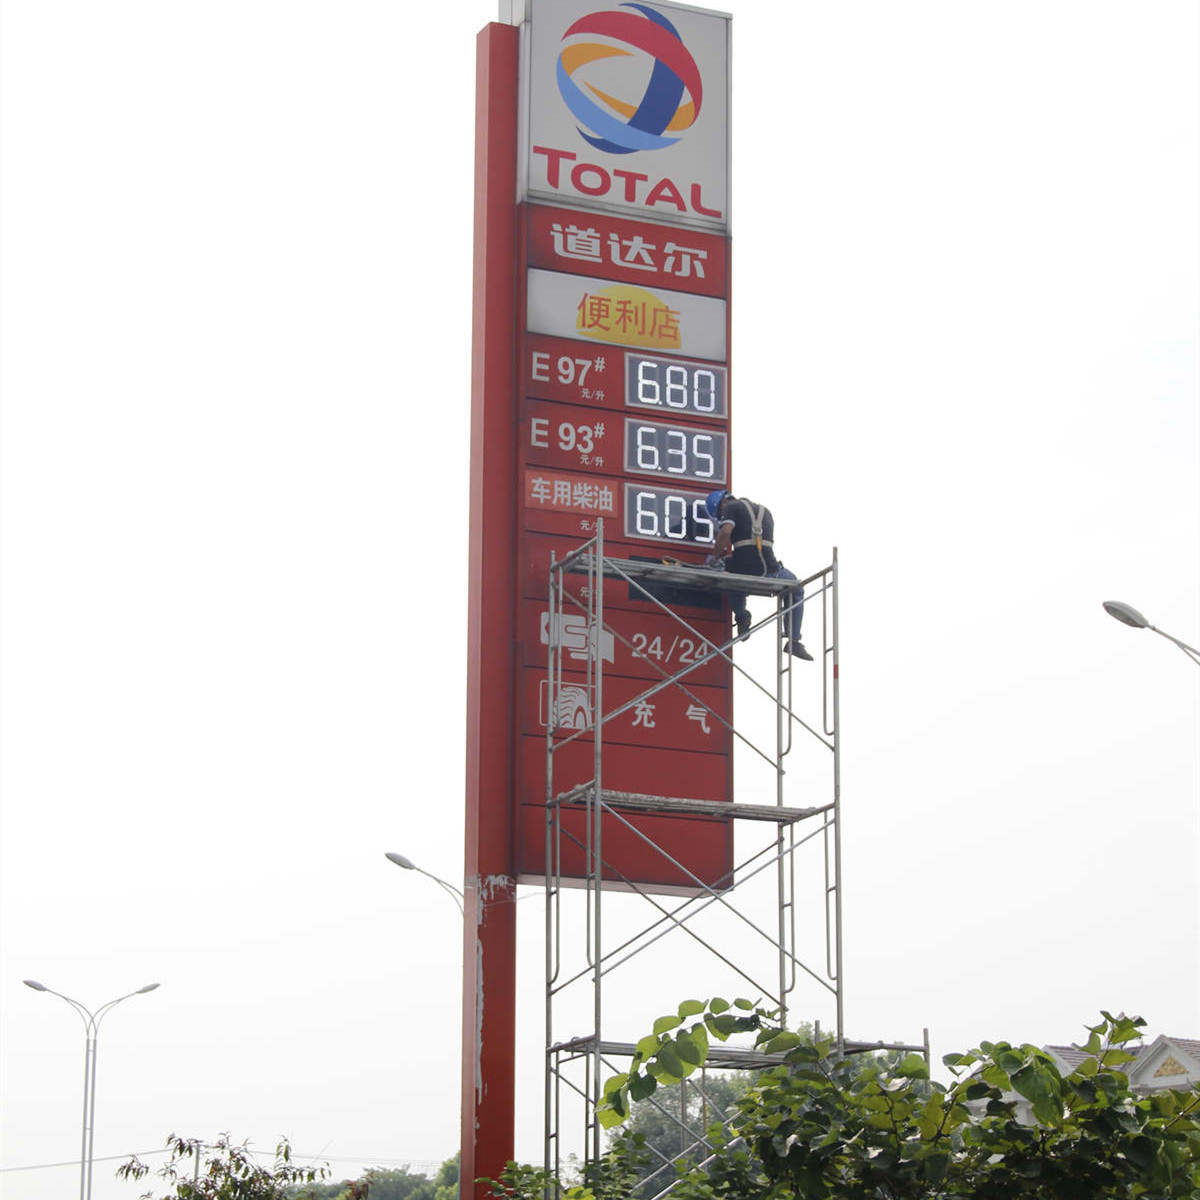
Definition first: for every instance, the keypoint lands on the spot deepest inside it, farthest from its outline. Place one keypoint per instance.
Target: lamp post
(407, 863)
(91, 1027)
(1128, 615)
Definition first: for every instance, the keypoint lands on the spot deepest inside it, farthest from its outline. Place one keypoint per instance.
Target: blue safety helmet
(712, 503)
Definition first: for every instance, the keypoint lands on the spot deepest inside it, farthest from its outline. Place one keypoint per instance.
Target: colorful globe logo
(623, 124)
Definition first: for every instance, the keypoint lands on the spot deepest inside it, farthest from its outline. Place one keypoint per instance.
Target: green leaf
(690, 1008)
(747, 1005)
(1010, 1061)
(934, 1167)
(930, 1118)
(615, 1084)
(647, 1045)
(913, 1066)
(717, 1005)
(609, 1117)
(996, 1077)
(667, 1022)
(688, 1050)
(786, 1040)
(671, 1065)
(1143, 1152)
(641, 1086)
(1039, 1086)
(721, 1027)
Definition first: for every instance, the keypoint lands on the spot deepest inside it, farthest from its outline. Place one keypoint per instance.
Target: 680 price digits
(670, 385)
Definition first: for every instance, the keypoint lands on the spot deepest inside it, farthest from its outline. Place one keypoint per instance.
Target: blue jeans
(792, 615)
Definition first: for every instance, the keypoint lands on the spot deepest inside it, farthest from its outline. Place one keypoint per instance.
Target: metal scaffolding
(575, 1068)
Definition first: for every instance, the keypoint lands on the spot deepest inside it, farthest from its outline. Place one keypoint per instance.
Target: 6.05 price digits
(665, 515)
(672, 386)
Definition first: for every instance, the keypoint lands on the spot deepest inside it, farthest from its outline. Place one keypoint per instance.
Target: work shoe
(796, 647)
(743, 624)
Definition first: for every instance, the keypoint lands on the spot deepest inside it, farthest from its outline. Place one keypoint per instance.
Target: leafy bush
(820, 1126)
(224, 1171)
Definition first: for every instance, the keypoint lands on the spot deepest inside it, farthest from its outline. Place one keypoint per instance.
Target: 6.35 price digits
(653, 449)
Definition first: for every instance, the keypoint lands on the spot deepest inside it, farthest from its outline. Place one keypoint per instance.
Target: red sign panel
(562, 492)
(534, 573)
(558, 435)
(590, 243)
(573, 372)
(704, 847)
(641, 642)
(635, 437)
(668, 719)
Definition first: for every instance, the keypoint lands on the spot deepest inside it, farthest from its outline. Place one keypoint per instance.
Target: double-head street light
(91, 1026)
(1128, 615)
(407, 863)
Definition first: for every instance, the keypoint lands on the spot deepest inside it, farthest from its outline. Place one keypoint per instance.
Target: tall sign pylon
(600, 391)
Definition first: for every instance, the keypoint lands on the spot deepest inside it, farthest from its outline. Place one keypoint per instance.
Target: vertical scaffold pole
(837, 809)
(780, 867)
(595, 651)
(549, 1130)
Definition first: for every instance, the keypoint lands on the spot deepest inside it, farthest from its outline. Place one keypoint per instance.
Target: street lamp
(1128, 615)
(91, 1028)
(407, 863)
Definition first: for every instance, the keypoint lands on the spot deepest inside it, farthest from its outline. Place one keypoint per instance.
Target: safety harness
(756, 512)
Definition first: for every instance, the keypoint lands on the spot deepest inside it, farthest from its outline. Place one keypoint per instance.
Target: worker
(745, 546)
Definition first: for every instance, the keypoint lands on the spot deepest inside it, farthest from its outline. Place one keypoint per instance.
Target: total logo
(636, 91)
(617, 125)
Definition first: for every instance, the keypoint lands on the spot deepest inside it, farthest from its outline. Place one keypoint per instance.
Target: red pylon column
(489, 930)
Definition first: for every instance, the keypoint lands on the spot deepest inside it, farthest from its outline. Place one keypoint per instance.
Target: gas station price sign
(622, 416)
(651, 427)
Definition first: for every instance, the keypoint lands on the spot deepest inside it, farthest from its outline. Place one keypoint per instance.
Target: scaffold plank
(580, 795)
(699, 578)
(723, 1056)
(719, 1056)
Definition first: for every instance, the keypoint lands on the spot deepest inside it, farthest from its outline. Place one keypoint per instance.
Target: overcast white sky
(236, 327)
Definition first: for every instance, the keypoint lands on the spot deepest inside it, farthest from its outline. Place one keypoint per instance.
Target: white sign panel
(626, 107)
(625, 314)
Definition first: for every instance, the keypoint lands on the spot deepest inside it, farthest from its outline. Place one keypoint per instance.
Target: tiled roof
(1073, 1056)
(1189, 1046)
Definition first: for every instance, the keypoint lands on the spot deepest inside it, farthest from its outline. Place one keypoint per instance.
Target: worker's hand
(715, 563)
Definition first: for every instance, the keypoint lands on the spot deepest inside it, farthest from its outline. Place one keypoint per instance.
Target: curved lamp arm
(85, 1014)
(408, 865)
(91, 1020)
(104, 1009)
(1128, 615)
